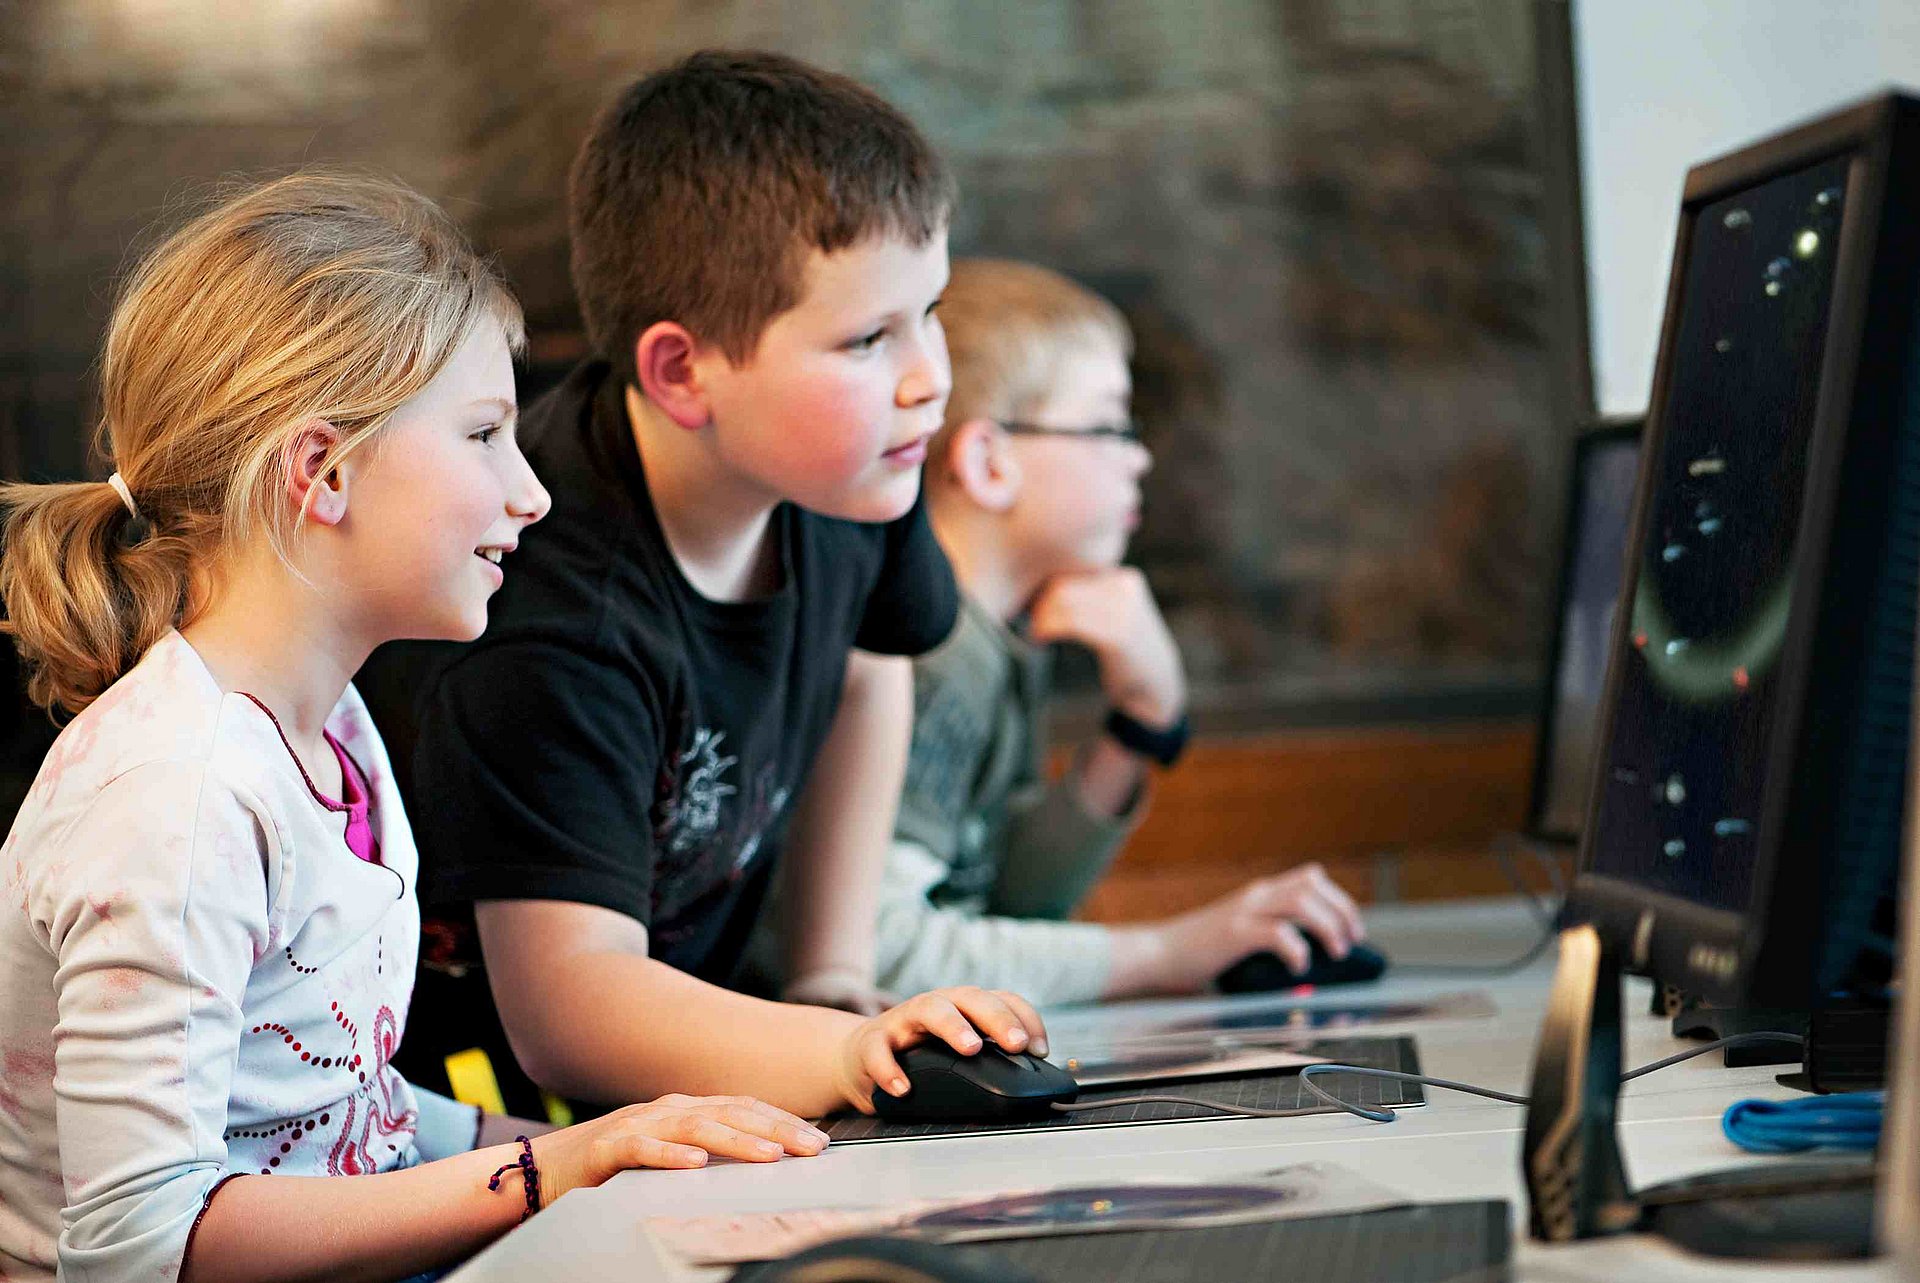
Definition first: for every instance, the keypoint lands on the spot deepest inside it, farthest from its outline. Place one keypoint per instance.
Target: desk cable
(1546, 912)
(1470, 970)
(1308, 1074)
(1843, 1120)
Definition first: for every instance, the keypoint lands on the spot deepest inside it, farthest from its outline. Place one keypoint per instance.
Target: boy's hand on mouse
(1270, 914)
(673, 1131)
(958, 1016)
(1113, 614)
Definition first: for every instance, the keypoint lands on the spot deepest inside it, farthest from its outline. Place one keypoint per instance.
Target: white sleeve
(155, 922)
(444, 1127)
(921, 946)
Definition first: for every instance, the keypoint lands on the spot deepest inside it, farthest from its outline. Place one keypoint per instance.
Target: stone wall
(1322, 216)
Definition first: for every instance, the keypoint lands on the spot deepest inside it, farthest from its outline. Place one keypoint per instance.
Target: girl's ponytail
(88, 587)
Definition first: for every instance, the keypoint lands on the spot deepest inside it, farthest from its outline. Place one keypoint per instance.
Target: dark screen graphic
(1700, 685)
(1603, 528)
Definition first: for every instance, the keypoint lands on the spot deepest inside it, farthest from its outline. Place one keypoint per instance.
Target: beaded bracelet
(529, 1177)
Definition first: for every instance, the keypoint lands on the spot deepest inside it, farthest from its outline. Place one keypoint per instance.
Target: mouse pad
(1466, 1242)
(1296, 1191)
(1425, 1243)
(1258, 1091)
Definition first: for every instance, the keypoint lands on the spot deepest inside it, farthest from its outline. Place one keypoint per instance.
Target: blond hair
(1009, 325)
(317, 296)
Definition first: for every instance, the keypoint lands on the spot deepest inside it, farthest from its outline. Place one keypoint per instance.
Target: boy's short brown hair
(701, 188)
(1008, 326)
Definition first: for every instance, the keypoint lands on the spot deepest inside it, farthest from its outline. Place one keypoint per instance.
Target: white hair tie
(119, 484)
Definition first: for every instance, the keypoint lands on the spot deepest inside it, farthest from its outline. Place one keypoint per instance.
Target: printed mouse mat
(1463, 1242)
(1257, 1091)
(1043, 1211)
(1466, 1242)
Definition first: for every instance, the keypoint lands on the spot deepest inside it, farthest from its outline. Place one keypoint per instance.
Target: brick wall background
(1323, 217)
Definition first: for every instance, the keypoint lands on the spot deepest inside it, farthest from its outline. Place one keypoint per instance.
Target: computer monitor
(1746, 809)
(1745, 818)
(1593, 549)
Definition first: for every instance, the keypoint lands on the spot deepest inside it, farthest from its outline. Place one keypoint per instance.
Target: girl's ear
(978, 459)
(314, 486)
(666, 358)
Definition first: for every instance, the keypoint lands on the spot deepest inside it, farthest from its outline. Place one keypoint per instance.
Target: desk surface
(1456, 1146)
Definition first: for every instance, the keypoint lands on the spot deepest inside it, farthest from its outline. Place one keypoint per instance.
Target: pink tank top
(358, 801)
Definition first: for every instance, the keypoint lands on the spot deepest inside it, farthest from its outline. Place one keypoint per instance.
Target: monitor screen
(1606, 468)
(1699, 685)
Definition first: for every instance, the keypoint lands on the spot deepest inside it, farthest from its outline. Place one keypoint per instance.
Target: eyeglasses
(1125, 430)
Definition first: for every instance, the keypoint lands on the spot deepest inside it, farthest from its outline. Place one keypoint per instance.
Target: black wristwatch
(1163, 747)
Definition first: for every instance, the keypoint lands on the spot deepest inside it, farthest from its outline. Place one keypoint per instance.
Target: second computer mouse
(1263, 972)
(945, 1086)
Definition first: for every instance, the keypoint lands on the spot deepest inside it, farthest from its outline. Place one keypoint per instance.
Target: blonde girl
(208, 931)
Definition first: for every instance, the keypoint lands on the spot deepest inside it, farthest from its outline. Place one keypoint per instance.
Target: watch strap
(1162, 746)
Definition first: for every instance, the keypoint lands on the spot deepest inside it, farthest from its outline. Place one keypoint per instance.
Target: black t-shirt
(617, 739)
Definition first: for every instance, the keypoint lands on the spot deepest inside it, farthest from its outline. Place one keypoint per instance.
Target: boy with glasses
(1033, 488)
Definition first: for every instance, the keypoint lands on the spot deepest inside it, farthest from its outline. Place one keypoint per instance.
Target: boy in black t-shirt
(692, 673)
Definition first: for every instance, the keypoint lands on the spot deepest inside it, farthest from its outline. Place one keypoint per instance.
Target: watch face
(1700, 690)
(1163, 746)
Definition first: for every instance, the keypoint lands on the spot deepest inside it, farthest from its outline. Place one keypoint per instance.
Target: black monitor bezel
(1610, 431)
(1710, 951)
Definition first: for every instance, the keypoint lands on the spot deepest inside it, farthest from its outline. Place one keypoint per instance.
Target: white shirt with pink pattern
(198, 979)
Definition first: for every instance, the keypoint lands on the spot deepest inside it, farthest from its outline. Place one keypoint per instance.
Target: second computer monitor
(1606, 463)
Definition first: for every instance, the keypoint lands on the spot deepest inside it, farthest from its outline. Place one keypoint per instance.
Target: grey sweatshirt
(988, 859)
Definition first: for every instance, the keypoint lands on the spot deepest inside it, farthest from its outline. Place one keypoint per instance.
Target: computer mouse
(945, 1086)
(1263, 972)
(876, 1259)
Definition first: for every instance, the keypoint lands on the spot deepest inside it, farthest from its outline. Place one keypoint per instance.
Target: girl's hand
(673, 1131)
(956, 1015)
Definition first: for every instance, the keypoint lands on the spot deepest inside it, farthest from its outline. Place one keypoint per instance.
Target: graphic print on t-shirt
(706, 832)
(764, 804)
(700, 786)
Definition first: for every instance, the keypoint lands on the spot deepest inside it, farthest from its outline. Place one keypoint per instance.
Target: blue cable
(1844, 1120)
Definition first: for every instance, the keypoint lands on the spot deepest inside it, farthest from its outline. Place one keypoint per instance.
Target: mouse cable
(1548, 916)
(1545, 909)
(1308, 1073)
(1472, 970)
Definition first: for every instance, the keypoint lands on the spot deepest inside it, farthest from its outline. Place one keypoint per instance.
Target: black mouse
(1263, 972)
(945, 1086)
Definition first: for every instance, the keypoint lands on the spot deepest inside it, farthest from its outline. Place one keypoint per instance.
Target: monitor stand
(1577, 1182)
(1707, 1023)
